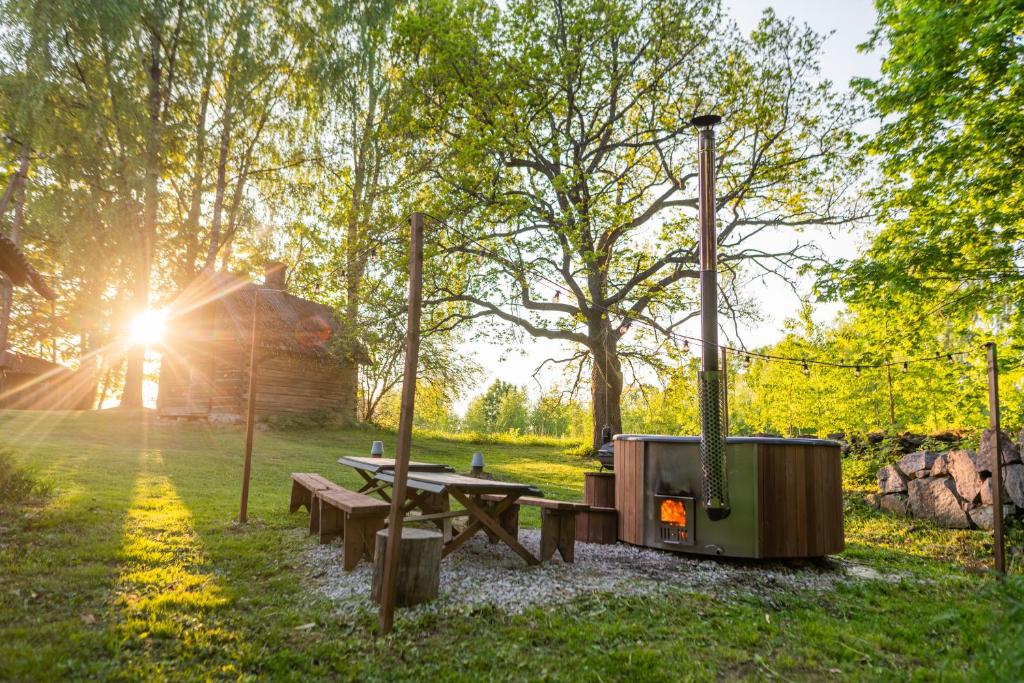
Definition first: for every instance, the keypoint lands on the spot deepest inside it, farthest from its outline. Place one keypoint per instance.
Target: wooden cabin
(29, 382)
(204, 369)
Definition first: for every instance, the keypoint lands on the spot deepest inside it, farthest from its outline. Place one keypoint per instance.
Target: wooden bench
(355, 517)
(304, 488)
(557, 523)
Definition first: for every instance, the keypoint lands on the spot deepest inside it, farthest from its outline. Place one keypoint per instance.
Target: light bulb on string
(806, 368)
(373, 254)
(686, 346)
(624, 327)
(949, 357)
(906, 366)
(746, 362)
(555, 297)
(856, 371)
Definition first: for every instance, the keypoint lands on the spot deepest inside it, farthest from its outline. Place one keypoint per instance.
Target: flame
(673, 512)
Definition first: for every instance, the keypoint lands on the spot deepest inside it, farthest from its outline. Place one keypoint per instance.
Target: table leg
(491, 523)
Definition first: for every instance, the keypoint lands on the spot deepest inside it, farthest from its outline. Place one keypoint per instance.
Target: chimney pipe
(274, 275)
(712, 431)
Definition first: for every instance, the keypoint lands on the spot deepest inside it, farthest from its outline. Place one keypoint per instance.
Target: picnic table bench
(557, 523)
(355, 517)
(335, 511)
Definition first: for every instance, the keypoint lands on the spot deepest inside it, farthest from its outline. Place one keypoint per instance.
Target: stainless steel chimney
(712, 431)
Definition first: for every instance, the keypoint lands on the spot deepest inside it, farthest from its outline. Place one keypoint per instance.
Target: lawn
(132, 569)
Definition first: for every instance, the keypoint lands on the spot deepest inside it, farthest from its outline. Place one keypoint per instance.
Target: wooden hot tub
(786, 496)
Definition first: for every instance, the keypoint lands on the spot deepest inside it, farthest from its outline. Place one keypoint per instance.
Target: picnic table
(469, 491)
(369, 467)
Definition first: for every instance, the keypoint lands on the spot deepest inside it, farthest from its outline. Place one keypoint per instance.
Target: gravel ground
(479, 573)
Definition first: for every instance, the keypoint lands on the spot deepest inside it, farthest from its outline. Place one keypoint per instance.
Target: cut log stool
(599, 524)
(419, 566)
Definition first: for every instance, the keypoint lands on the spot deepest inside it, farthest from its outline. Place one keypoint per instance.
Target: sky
(846, 25)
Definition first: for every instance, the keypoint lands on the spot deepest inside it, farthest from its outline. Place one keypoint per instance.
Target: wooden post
(997, 459)
(405, 416)
(250, 420)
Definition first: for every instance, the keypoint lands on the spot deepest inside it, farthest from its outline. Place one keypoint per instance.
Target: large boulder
(913, 464)
(936, 499)
(986, 491)
(940, 468)
(1013, 482)
(891, 480)
(982, 516)
(965, 474)
(897, 503)
(1009, 450)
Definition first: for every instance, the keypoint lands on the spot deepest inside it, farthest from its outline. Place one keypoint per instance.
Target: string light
(624, 328)
(555, 297)
(747, 356)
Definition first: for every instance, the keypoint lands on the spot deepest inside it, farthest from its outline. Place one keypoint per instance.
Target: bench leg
(314, 513)
(301, 496)
(331, 522)
(550, 527)
(567, 536)
(360, 535)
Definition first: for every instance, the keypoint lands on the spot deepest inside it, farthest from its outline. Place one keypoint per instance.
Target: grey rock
(982, 518)
(940, 467)
(1013, 482)
(986, 491)
(1009, 450)
(919, 461)
(921, 474)
(968, 481)
(936, 499)
(896, 503)
(871, 500)
(891, 480)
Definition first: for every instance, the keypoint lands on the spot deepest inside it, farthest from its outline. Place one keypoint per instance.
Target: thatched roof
(14, 264)
(287, 323)
(16, 363)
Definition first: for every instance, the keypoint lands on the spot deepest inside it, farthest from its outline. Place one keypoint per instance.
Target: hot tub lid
(775, 440)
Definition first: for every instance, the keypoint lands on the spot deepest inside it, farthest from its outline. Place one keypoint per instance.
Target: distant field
(133, 570)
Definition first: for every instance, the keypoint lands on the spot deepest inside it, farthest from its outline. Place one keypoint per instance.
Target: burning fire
(673, 512)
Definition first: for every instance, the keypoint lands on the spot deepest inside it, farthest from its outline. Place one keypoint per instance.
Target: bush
(18, 485)
(291, 422)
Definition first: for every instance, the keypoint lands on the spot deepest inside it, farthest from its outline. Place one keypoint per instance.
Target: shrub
(17, 484)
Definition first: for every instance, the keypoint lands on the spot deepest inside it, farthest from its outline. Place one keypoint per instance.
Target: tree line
(548, 140)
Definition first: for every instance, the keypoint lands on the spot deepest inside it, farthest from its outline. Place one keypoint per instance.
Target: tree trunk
(132, 395)
(16, 190)
(605, 382)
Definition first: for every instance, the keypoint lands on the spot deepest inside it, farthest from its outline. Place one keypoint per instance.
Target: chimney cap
(705, 121)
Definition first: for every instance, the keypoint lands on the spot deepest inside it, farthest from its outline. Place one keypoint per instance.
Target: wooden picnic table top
(442, 482)
(369, 464)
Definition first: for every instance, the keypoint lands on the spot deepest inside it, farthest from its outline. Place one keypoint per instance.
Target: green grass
(132, 569)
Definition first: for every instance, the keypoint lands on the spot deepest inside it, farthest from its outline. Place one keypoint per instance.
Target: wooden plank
(541, 502)
(355, 504)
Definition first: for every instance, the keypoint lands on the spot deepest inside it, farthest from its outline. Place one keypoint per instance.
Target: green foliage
(18, 484)
(291, 422)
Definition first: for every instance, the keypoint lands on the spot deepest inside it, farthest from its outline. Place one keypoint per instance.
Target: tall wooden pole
(405, 416)
(997, 459)
(250, 420)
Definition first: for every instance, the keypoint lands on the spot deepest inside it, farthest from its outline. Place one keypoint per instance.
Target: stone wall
(954, 488)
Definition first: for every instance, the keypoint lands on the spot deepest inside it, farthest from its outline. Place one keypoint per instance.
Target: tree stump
(419, 567)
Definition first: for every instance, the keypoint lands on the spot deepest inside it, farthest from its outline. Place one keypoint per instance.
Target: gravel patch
(480, 574)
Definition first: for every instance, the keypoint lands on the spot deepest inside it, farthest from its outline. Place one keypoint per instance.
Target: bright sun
(148, 327)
